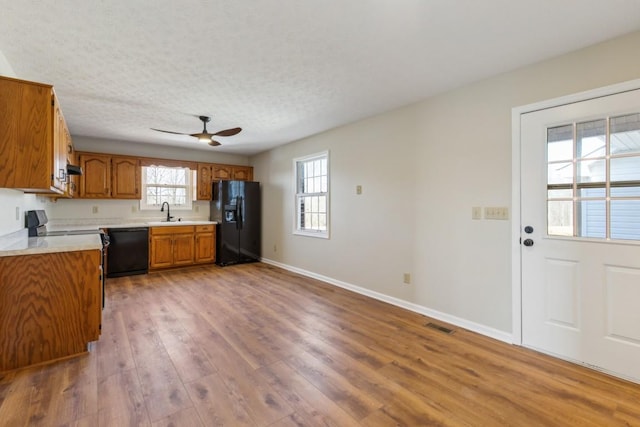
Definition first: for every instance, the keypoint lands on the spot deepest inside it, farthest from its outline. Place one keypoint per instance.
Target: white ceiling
(280, 69)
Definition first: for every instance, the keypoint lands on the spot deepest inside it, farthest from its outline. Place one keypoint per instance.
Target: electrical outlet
(197, 208)
(133, 208)
(94, 209)
(17, 213)
(406, 278)
(275, 248)
(358, 189)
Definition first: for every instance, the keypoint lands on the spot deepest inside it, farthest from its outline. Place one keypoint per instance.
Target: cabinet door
(125, 178)
(59, 147)
(205, 247)
(26, 126)
(183, 249)
(222, 172)
(161, 251)
(242, 173)
(205, 177)
(72, 158)
(95, 180)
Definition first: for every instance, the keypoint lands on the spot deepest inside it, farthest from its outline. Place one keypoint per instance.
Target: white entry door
(580, 228)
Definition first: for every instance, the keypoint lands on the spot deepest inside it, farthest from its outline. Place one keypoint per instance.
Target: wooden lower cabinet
(181, 245)
(50, 306)
(205, 244)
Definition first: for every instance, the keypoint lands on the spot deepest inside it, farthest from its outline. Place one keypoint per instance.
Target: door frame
(516, 194)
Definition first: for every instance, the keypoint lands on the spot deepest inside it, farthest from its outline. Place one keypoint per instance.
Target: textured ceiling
(280, 69)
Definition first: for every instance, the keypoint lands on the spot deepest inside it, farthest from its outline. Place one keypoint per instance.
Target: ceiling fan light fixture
(205, 136)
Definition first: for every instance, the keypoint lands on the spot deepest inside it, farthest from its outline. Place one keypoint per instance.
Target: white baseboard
(462, 323)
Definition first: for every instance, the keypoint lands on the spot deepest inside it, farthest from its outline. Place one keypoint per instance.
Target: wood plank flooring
(254, 345)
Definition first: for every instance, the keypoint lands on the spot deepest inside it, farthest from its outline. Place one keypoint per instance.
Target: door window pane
(591, 171)
(592, 218)
(560, 143)
(560, 194)
(625, 169)
(560, 218)
(625, 219)
(625, 134)
(591, 139)
(625, 192)
(560, 173)
(592, 192)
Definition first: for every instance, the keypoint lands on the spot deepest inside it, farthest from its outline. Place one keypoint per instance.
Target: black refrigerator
(235, 206)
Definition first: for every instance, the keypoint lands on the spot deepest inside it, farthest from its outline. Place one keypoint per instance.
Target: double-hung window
(173, 185)
(312, 195)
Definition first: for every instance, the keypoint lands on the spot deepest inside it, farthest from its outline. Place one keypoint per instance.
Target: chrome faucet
(162, 210)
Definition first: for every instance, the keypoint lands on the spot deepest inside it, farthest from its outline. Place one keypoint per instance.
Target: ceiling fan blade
(214, 143)
(228, 132)
(168, 131)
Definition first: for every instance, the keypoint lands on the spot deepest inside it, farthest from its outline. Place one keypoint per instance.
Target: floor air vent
(439, 328)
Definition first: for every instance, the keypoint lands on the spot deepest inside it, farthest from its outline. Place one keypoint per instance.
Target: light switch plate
(499, 213)
(476, 212)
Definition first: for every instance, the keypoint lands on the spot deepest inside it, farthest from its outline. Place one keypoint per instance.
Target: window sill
(316, 234)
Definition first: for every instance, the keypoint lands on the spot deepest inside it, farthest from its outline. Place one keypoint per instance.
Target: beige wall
(422, 169)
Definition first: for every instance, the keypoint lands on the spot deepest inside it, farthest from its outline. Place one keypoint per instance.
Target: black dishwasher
(128, 252)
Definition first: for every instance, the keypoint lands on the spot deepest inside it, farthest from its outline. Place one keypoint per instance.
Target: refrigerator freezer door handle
(240, 211)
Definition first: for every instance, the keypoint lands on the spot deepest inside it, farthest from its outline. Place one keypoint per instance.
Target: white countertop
(19, 243)
(159, 224)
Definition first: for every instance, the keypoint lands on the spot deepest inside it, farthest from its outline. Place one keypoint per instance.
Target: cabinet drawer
(169, 229)
(203, 228)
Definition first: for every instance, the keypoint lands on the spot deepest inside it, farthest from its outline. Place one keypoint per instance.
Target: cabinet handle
(69, 149)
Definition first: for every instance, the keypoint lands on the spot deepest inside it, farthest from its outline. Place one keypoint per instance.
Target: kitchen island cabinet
(50, 306)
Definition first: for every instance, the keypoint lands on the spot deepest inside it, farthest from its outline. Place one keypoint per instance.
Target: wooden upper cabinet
(73, 181)
(29, 155)
(125, 178)
(222, 172)
(209, 172)
(242, 173)
(109, 177)
(229, 172)
(205, 178)
(59, 147)
(95, 181)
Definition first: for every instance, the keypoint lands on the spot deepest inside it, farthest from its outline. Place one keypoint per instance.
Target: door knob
(528, 242)
(528, 229)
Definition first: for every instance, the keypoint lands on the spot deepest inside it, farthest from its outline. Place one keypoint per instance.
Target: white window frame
(324, 234)
(144, 206)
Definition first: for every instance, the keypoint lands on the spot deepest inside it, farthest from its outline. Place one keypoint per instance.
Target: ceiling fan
(205, 136)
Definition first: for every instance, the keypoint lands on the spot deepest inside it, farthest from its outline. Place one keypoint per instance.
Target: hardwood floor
(254, 345)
